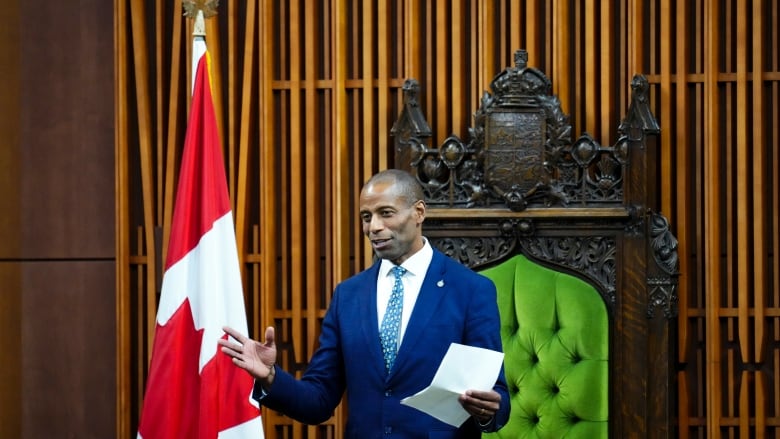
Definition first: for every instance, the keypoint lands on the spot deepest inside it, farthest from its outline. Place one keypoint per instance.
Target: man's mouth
(380, 243)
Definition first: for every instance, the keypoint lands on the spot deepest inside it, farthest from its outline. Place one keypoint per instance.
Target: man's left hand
(482, 405)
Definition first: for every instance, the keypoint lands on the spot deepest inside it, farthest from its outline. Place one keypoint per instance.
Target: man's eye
(387, 213)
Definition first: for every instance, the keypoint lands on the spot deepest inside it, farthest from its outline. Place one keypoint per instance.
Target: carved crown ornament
(520, 152)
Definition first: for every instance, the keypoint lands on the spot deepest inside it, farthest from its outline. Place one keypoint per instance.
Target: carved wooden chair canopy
(521, 185)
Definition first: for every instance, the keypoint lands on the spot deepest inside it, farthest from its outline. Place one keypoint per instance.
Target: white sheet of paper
(462, 368)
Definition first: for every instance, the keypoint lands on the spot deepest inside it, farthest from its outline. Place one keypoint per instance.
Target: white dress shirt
(416, 267)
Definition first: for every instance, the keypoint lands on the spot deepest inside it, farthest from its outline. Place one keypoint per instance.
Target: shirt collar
(417, 264)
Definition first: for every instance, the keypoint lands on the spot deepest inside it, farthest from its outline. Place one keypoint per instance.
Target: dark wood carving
(520, 184)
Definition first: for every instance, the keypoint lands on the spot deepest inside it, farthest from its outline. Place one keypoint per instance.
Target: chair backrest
(555, 333)
(520, 185)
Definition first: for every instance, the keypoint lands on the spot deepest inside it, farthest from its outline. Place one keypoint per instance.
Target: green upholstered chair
(554, 329)
(569, 230)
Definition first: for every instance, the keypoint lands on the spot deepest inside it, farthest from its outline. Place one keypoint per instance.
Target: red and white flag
(193, 390)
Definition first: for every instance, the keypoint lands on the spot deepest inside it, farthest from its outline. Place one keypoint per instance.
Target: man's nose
(376, 224)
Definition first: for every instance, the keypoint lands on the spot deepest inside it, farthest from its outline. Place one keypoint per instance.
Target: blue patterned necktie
(391, 322)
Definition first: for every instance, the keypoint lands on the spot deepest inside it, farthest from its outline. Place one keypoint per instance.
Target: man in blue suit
(443, 302)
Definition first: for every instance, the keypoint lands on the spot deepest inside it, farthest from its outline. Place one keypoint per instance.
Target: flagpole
(199, 10)
(198, 45)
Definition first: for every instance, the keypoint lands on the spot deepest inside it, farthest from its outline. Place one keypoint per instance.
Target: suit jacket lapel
(431, 293)
(370, 326)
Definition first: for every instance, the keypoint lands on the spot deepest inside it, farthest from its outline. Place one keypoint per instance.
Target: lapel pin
(440, 283)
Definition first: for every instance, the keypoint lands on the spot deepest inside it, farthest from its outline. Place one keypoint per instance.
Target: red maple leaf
(182, 403)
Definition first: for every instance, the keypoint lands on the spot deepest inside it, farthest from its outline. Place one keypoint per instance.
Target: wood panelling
(67, 357)
(10, 350)
(309, 91)
(66, 136)
(57, 285)
(10, 103)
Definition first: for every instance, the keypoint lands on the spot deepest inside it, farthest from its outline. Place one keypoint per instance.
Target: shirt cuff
(258, 392)
(487, 426)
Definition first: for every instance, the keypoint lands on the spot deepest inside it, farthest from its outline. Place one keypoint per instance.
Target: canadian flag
(193, 390)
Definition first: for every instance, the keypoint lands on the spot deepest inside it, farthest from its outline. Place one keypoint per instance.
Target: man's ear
(419, 207)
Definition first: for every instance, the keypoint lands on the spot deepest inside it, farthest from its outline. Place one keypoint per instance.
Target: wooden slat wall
(310, 90)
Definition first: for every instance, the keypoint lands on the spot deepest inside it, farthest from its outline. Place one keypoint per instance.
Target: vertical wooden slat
(244, 125)
(622, 75)
(516, 16)
(744, 404)
(159, 101)
(743, 190)
(534, 33)
(637, 33)
(699, 324)
(427, 83)
(141, 65)
(359, 247)
(760, 260)
(683, 404)
(341, 153)
(730, 389)
(174, 128)
(297, 261)
(268, 167)
(311, 215)
(475, 39)
(562, 50)
(503, 29)
(774, 119)
(326, 89)
(383, 82)
(142, 361)
(608, 117)
(683, 174)
(339, 224)
(456, 71)
(775, 191)
(590, 55)
(760, 415)
(255, 324)
(368, 101)
(730, 301)
(412, 39)
(441, 98)
(488, 45)
(283, 94)
(758, 146)
(368, 26)
(576, 111)
(266, 249)
(665, 180)
(685, 215)
(712, 227)
(232, 84)
(124, 309)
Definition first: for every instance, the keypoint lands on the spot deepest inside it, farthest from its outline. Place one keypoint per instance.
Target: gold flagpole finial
(200, 9)
(191, 8)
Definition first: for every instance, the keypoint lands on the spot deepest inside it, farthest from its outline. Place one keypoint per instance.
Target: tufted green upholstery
(554, 329)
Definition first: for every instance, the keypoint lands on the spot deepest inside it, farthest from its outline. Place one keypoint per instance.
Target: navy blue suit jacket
(455, 305)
